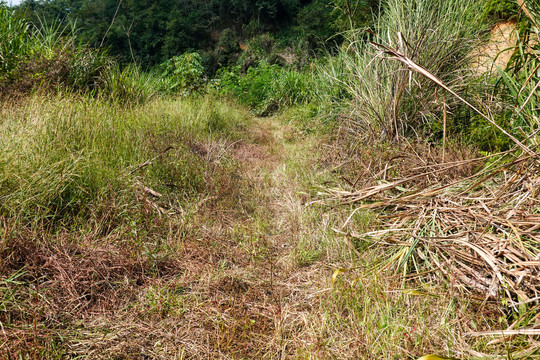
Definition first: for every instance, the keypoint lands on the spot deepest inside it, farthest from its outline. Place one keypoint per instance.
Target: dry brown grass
(494, 209)
(361, 164)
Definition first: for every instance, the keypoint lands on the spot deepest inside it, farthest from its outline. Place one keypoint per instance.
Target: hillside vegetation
(260, 179)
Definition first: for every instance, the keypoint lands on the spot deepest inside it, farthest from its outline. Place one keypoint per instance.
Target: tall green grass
(383, 97)
(49, 57)
(64, 158)
(130, 84)
(14, 45)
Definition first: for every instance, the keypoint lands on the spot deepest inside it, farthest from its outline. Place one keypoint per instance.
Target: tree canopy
(151, 32)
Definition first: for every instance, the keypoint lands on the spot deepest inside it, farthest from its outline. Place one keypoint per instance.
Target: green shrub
(267, 88)
(253, 89)
(261, 50)
(184, 74)
(227, 50)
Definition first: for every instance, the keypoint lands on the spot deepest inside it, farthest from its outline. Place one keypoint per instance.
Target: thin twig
(112, 22)
(149, 162)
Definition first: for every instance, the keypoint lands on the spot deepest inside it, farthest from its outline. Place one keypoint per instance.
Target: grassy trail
(212, 249)
(264, 291)
(283, 304)
(253, 274)
(178, 231)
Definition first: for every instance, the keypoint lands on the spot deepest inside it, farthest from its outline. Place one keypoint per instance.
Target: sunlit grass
(383, 99)
(60, 156)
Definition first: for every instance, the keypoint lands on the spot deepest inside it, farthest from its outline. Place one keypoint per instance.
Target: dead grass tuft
(362, 164)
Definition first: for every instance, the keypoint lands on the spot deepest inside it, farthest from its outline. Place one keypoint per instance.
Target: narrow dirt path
(240, 272)
(243, 273)
(258, 303)
(269, 290)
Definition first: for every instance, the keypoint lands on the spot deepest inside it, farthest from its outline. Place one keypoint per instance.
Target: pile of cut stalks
(482, 232)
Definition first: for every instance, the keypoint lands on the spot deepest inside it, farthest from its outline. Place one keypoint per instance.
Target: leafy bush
(228, 49)
(184, 74)
(266, 88)
(260, 50)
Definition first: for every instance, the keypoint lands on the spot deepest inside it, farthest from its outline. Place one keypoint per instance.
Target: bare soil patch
(496, 53)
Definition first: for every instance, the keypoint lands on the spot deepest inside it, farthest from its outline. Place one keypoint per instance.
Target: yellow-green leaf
(337, 272)
(435, 357)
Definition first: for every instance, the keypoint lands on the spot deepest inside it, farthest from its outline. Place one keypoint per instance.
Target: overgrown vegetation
(502, 9)
(151, 35)
(391, 102)
(439, 215)
(268, 179)
(45, 59)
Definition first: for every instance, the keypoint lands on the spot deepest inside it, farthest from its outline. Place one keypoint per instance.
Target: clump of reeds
(381, 98)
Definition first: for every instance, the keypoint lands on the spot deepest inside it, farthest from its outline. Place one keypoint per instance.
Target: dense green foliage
(152, 34)
(51, 58)
(266, 88)
(184, 73)
(270, 55)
